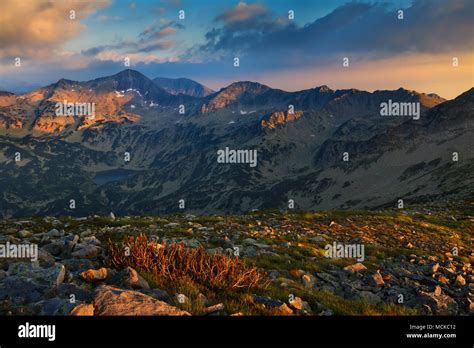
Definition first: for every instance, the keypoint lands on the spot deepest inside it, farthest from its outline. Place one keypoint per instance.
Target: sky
(430, 49)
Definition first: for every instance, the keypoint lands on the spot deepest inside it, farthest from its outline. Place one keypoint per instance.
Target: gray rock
(45, 259)
(78, 265)
(369, 297)
(55, 248)
(91, 240)
(50, 276)
(249, 251)
(249, 241)
(55, 306)
(20, 290)
(268, 302)
(159, 294)
(438, 302)
(113, 301)
(65, 290)
(54, 233)
(24, 234)
(86, 251)
(129, 278)
(191, 243)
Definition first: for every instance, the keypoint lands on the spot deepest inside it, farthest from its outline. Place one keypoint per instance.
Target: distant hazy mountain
(183, 86)
(300, 137)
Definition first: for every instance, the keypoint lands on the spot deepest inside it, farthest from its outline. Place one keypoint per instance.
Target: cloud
(355, 29)
(151, 39)
(242, 13)
(31, 28)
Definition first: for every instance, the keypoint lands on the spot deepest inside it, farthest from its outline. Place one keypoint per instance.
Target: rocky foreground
(415, 263)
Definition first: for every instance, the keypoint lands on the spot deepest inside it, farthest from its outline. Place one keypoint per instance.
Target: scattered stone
(460, 281)
(109, 300)
(112, 216)
(268, 302)
(131, 279)
(215, 308)
(65, 290)
(443, 279)
(55, 248)
(45, 259)
(284, 310)
(54, 306)
(438, 302)
(78, 265)
(51, 276)
(296, 304)
(54, 233)
(86, 251)
(369, 297)
(249, 241)
(327, 312)
(20, 290)
(355, 268)
(376, 279)
(308, 280)
(82, 310)
(93, 275)
(91, 240)
(159, 294)
(24, 234)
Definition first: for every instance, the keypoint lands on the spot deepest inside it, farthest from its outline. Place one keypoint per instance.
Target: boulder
(129, 278)
(65, 290)
(357, 267)
(268, 302)
(54, 306)
(376, 279)
(24, 234)
(82, 310)
(109, 300)
(20, 290)
(50, 276)
(438, 302)
(94, 275)
(86, 251)
(460, 281)
(54, 233)
(215, 308)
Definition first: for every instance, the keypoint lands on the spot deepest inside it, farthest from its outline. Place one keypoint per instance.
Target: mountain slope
(183, 86)
(173, 156)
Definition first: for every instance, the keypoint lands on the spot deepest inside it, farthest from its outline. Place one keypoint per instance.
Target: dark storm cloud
(372, 29)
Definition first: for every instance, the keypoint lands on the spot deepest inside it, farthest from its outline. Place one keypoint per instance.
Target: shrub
(170, 263)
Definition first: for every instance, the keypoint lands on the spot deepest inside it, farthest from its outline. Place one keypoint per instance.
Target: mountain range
(321, 148)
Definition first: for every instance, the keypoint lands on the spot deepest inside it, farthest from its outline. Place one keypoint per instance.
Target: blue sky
(384, 51)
